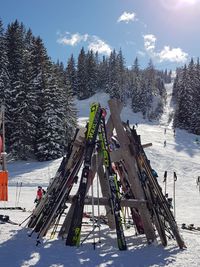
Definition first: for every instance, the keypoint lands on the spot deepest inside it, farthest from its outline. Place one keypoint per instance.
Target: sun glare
(189, 1)
(176, 4)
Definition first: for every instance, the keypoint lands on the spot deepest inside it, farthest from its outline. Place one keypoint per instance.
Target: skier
(165, 143)
(198, 180)
(40, 193)
(165, 130)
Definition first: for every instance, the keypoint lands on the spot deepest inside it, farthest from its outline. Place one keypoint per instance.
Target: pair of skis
(161, 213)
(73, 237)
(53, 204)
(96, 128)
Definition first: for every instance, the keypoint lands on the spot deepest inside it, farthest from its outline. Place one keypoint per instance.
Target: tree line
(40, 113)
(186, 93)
(140, 87)
(39, 94)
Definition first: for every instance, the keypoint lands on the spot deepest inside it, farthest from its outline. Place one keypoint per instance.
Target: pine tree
(4, 76)
(136, 87)
(183, 109)
(67, 102)
(121, 77)
(102, 76)
(15, 101)
(70, 120)
(71, 74)
(113, 88)
(91, 70)
(82, 76)
(50, 136)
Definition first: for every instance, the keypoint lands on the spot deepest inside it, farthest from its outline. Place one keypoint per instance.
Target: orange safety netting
(3, 186)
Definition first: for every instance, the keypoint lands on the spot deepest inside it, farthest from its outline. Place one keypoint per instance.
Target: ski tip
(183, 247)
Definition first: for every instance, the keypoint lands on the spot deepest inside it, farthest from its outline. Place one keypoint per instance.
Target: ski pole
(92, 191)
(19, 193)
(165, 181)
(98, 206)
(16, 194)
(174, 194)
(25, 220)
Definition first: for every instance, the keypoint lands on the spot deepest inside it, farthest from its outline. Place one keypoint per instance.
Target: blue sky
(165, 30)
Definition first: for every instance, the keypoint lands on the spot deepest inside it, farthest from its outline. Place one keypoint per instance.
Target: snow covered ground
(181, 155)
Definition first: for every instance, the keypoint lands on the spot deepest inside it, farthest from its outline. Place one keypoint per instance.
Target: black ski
(160, 206)
(114, 186)
(73, 237)
(54, 200)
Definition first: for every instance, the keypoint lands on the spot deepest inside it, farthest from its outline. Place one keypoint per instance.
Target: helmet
(39, 187)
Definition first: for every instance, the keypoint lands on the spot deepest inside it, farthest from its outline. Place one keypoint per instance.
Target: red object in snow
(39, 193)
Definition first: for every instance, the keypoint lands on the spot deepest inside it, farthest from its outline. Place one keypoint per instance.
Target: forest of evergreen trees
(39, 94)
(39, 109)
(110, 75)
(186, 93)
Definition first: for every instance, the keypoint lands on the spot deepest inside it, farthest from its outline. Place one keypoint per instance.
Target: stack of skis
(49, 210)
(86, 142)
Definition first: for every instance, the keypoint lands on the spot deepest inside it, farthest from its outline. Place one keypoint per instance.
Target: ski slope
(181, 155)
(169, 107)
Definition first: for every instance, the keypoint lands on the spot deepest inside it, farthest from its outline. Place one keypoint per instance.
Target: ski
(6, 219)
(120, 168)
(59, 206)
(190, 227)
(73, 237)
(59, 187)
(152, 189)
(114, 186)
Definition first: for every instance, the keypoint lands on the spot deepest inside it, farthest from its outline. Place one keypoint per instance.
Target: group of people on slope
(165, 131)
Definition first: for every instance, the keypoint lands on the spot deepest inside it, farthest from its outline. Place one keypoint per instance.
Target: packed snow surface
(181, 155)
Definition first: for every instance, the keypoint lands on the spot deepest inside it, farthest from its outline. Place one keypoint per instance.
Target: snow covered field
(181, 155)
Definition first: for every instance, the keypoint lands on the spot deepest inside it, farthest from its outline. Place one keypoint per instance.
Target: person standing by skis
(39, 195)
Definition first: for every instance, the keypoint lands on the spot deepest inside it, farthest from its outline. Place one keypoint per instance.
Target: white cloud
(127, 17)
(149, 42)
(166, 54)
(97, 44)
(173, 54)
(72, 39)
(93, 42)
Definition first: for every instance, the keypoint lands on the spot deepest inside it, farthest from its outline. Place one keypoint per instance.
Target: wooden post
(103, 201)
(105, 189)
(131, 167)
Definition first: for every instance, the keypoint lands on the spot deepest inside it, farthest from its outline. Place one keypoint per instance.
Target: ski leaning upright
(57, 193)
(159, 204)
(114, 187)
(73, 237)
